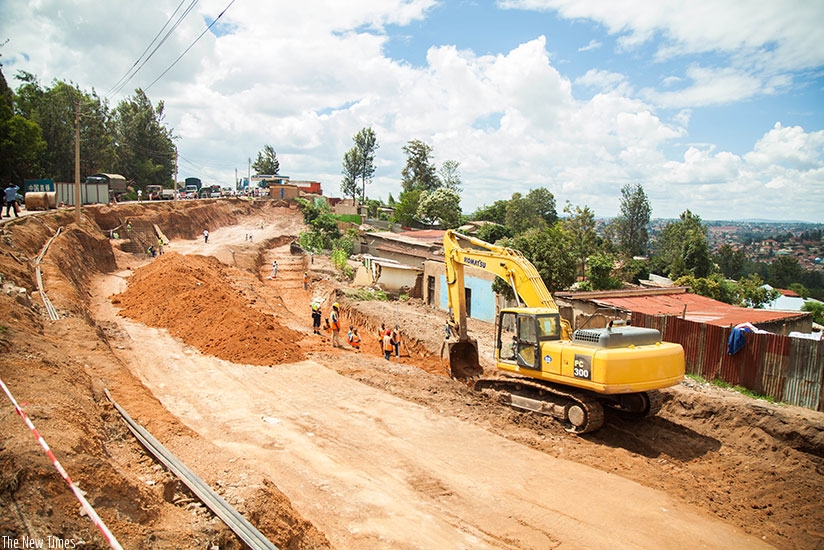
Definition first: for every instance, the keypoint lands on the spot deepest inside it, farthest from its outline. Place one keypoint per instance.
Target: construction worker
(396, 340)
(274, 269)
(160, 246)
(316, 318)
(387, 344)
(335, 325)
(305, 280)
(354, 337)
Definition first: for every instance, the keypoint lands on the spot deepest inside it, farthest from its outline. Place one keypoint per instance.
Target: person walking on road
(10, 194)
(205, 236)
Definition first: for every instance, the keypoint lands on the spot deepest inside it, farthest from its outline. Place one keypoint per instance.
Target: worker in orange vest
(387, 344)
(336, 325)
(354, 337)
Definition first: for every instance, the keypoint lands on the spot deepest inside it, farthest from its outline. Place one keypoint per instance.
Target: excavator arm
(461, 250)
(508, 264)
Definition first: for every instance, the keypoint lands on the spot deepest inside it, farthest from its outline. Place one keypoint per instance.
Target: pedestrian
(305, 280)
(274, 269)
(159, 246)
(316, 318)
(139, 195)
(10, 194)
(396, 340)
(387, 344)
(336, 325)
(353, 337)
(312, 255)
(205, 235)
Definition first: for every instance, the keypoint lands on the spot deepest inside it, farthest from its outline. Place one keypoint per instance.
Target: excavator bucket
(463, 360)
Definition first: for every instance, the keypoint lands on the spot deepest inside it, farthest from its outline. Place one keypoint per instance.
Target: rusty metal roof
(692, 306)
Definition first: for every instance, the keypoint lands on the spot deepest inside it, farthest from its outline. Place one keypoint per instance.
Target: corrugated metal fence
(790, 370)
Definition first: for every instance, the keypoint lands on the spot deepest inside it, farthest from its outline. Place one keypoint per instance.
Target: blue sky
(712, 105)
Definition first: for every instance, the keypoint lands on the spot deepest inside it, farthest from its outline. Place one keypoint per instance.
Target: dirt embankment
(57, 371)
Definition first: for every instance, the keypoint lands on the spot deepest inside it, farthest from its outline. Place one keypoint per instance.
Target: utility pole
(77, 162)
(174, 186)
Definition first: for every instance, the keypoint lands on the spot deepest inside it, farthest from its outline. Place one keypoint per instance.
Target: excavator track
(580, 411)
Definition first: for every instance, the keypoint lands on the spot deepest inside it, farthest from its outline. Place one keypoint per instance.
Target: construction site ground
(332, 447)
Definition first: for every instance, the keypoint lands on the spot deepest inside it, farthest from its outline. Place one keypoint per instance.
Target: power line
(134, 72)
(190, 46)
(146, 50)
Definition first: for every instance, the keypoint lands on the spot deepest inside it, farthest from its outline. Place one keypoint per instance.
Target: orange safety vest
(387, 343)
(335, 321)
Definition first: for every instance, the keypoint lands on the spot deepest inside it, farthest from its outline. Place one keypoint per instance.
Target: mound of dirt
(193, 298)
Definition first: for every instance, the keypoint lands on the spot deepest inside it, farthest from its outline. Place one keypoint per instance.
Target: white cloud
(306, 77)
(593, 45)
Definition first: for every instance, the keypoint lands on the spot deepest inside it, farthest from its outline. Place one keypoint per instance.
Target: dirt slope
(757, 467)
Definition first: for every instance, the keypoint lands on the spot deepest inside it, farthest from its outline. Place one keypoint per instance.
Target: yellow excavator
(547, 367)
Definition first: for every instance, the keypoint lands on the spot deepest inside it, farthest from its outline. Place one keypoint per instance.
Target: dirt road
(371, 470)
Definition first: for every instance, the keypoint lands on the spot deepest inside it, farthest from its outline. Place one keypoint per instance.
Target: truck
(545, 366)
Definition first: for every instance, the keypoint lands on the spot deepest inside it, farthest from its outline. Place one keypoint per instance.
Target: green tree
(406, 209)
(21, 141)
(366, 143)
(682, 248)
(548, 250)
(441, 206)
(450, 175)
(817, 311)
(784, 271)
(349, 183)
(800, 289)
(493, 232)
(630, 225)
(754, 294)
(267, 161)
(418, 172)
(600, 271)
(580, 224)
(714, 286)
(494, 213)
(730, 260)
(145, 151)
(54, 110)
(536, 209)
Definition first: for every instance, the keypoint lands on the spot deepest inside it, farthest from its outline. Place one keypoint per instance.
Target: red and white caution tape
(86, 506)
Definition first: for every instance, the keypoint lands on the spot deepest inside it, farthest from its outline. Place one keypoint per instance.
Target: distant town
(762, 241)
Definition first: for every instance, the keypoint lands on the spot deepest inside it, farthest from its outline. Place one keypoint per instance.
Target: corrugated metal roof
(698, 308)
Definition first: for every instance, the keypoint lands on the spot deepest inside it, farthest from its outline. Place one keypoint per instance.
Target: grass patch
(718, 383)
(351, 218)
(366, 294)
